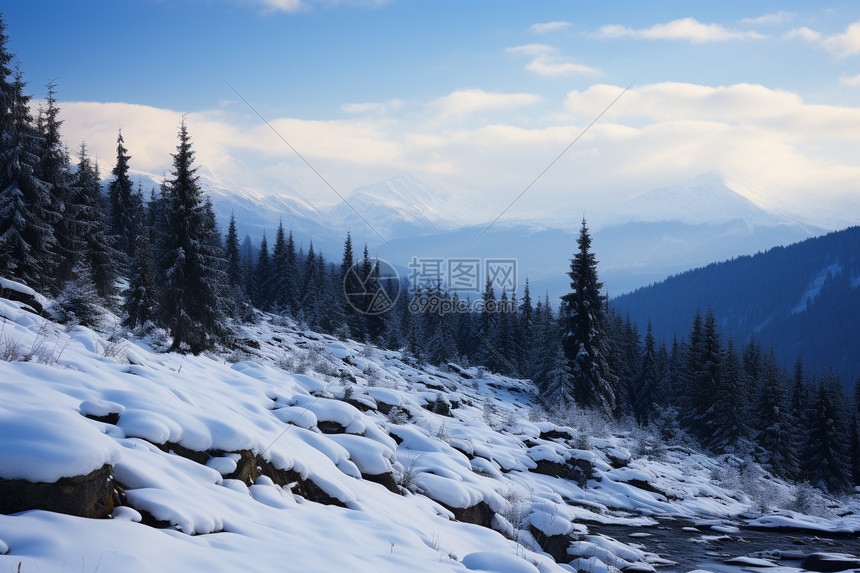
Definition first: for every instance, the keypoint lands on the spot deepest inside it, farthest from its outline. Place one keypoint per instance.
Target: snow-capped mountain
(404, 205)
(639, 240)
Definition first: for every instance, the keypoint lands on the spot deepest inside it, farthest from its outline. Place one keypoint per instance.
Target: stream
(693, 546)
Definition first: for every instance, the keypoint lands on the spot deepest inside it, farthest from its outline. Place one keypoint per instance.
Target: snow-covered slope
(301, 452)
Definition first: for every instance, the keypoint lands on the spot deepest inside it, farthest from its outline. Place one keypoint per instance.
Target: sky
(479, 96)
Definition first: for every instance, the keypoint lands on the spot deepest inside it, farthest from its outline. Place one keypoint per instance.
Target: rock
(439, 406)
(249, 467)
(386, 480)
(478, 514)
(330, 427)
(555, 545)
(829, 562)
(90, 495)
(18, 292)
(576, 470)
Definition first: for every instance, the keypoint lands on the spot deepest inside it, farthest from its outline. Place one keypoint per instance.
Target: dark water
(692, 550)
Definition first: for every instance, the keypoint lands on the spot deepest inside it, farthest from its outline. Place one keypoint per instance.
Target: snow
(44, 445)
(170, 404)
(487, 561)
(8, 284)
(815, 286)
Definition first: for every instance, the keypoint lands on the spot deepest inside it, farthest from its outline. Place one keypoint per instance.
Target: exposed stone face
(10, 291)
(576, 470)
(90, 495)
(479, 514)
(386, 480)
(555, 545)
(830, 562)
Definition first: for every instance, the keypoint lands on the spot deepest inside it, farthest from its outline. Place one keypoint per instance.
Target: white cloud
(379, 108)
(840, 45)
(292, 6)
(546, 27)
(546, 61)
(465, 102)
(772, 19)
(799, 154)
(850, 80)
(682, 29)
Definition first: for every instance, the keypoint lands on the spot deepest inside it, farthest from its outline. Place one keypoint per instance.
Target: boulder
(829, 562)
(90, 495)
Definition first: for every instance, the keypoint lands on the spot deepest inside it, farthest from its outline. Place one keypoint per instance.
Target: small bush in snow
(407, 476)
(809, 501)
(373, 375)
(9, 348)
(397, 415)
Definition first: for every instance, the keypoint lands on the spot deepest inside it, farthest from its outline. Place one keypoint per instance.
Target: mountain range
(638, 241)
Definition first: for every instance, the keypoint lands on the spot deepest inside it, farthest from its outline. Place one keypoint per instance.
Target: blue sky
(479, 95)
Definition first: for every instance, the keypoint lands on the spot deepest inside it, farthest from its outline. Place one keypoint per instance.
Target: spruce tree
(728, 423)
(524, 333)
(827, 462)
(234, 264)
(703, 375)
(124, 218)
(775, 439)
(583, 340)
(140, 297)
(278, 294)
(92, 242)
(645, 397)
(191, 307)
(26, 230)
(54, 170)
(291, 279)
(261, 284)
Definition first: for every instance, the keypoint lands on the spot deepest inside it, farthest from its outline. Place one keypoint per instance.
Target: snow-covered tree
(26, 231)
(191, 306)
(593, 384)
(93, 243)
(125, 213)
(140, 297)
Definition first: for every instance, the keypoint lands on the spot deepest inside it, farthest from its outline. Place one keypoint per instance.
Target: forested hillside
(802, 300)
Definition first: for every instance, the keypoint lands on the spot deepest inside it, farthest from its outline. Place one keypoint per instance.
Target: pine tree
(645, 397)
(140, 297)
(583, 340)
(77, 301)
(26, 232)
(53, 169)
(7, 87)
(124, 217)
(191, 306)
(234, 266)
(728, 423)
(92, 243)
(827, 459)
(854, 420)
(775, 433)
(278, 294)
(703, 375)
(349, 283)
(261, 284)
(524, 334)
(291, 279)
